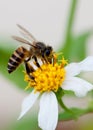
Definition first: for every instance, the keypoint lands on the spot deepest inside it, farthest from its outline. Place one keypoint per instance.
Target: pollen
(49, 77)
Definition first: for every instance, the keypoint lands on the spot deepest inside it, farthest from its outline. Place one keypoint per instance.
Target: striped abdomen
(17, 58)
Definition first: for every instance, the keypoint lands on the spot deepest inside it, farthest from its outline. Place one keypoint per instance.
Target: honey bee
(37, 50)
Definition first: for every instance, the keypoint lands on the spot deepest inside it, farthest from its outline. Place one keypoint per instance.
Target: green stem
(59, 95)
(70, 21)
(63, 105)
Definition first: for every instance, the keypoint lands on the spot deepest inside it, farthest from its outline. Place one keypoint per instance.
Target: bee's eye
(47, 52)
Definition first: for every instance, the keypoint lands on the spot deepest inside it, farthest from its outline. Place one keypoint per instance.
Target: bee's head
(48, 51)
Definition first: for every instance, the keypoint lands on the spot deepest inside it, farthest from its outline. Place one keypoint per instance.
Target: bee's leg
(29, 70)
(54, 58)
(53, 61)
(36, 61)
(28, 59)
(44, 59)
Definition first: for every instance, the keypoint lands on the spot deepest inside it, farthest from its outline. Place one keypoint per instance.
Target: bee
(37, 50)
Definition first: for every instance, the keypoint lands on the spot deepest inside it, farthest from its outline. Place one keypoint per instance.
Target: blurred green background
(67, 26)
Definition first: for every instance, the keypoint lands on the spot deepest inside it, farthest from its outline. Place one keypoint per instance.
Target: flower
(48, 79)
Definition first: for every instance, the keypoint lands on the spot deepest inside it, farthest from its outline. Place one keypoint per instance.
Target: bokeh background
(47, 20)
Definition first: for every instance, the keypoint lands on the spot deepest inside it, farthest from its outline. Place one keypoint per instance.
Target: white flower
(48, 113)
(79, 86)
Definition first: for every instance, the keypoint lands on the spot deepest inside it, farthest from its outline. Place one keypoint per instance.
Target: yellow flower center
(48, 77)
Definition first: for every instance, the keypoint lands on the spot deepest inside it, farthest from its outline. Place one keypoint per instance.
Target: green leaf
(17, 77)
(76, 49)
(77, 112)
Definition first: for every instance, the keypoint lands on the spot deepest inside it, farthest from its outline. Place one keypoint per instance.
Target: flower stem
(70, 21)
(69, 30)
(59, 95)
(64, 106)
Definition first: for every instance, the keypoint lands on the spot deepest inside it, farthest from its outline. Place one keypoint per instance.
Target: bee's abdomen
(17, 58)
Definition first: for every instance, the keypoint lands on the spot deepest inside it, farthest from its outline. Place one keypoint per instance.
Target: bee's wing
(26, 33)
(22, 40)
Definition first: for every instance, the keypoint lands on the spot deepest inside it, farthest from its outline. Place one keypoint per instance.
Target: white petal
(79, 86)
(87, 64)
(48, 114)
(75, 68)
(72, 69)
(28, 103)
